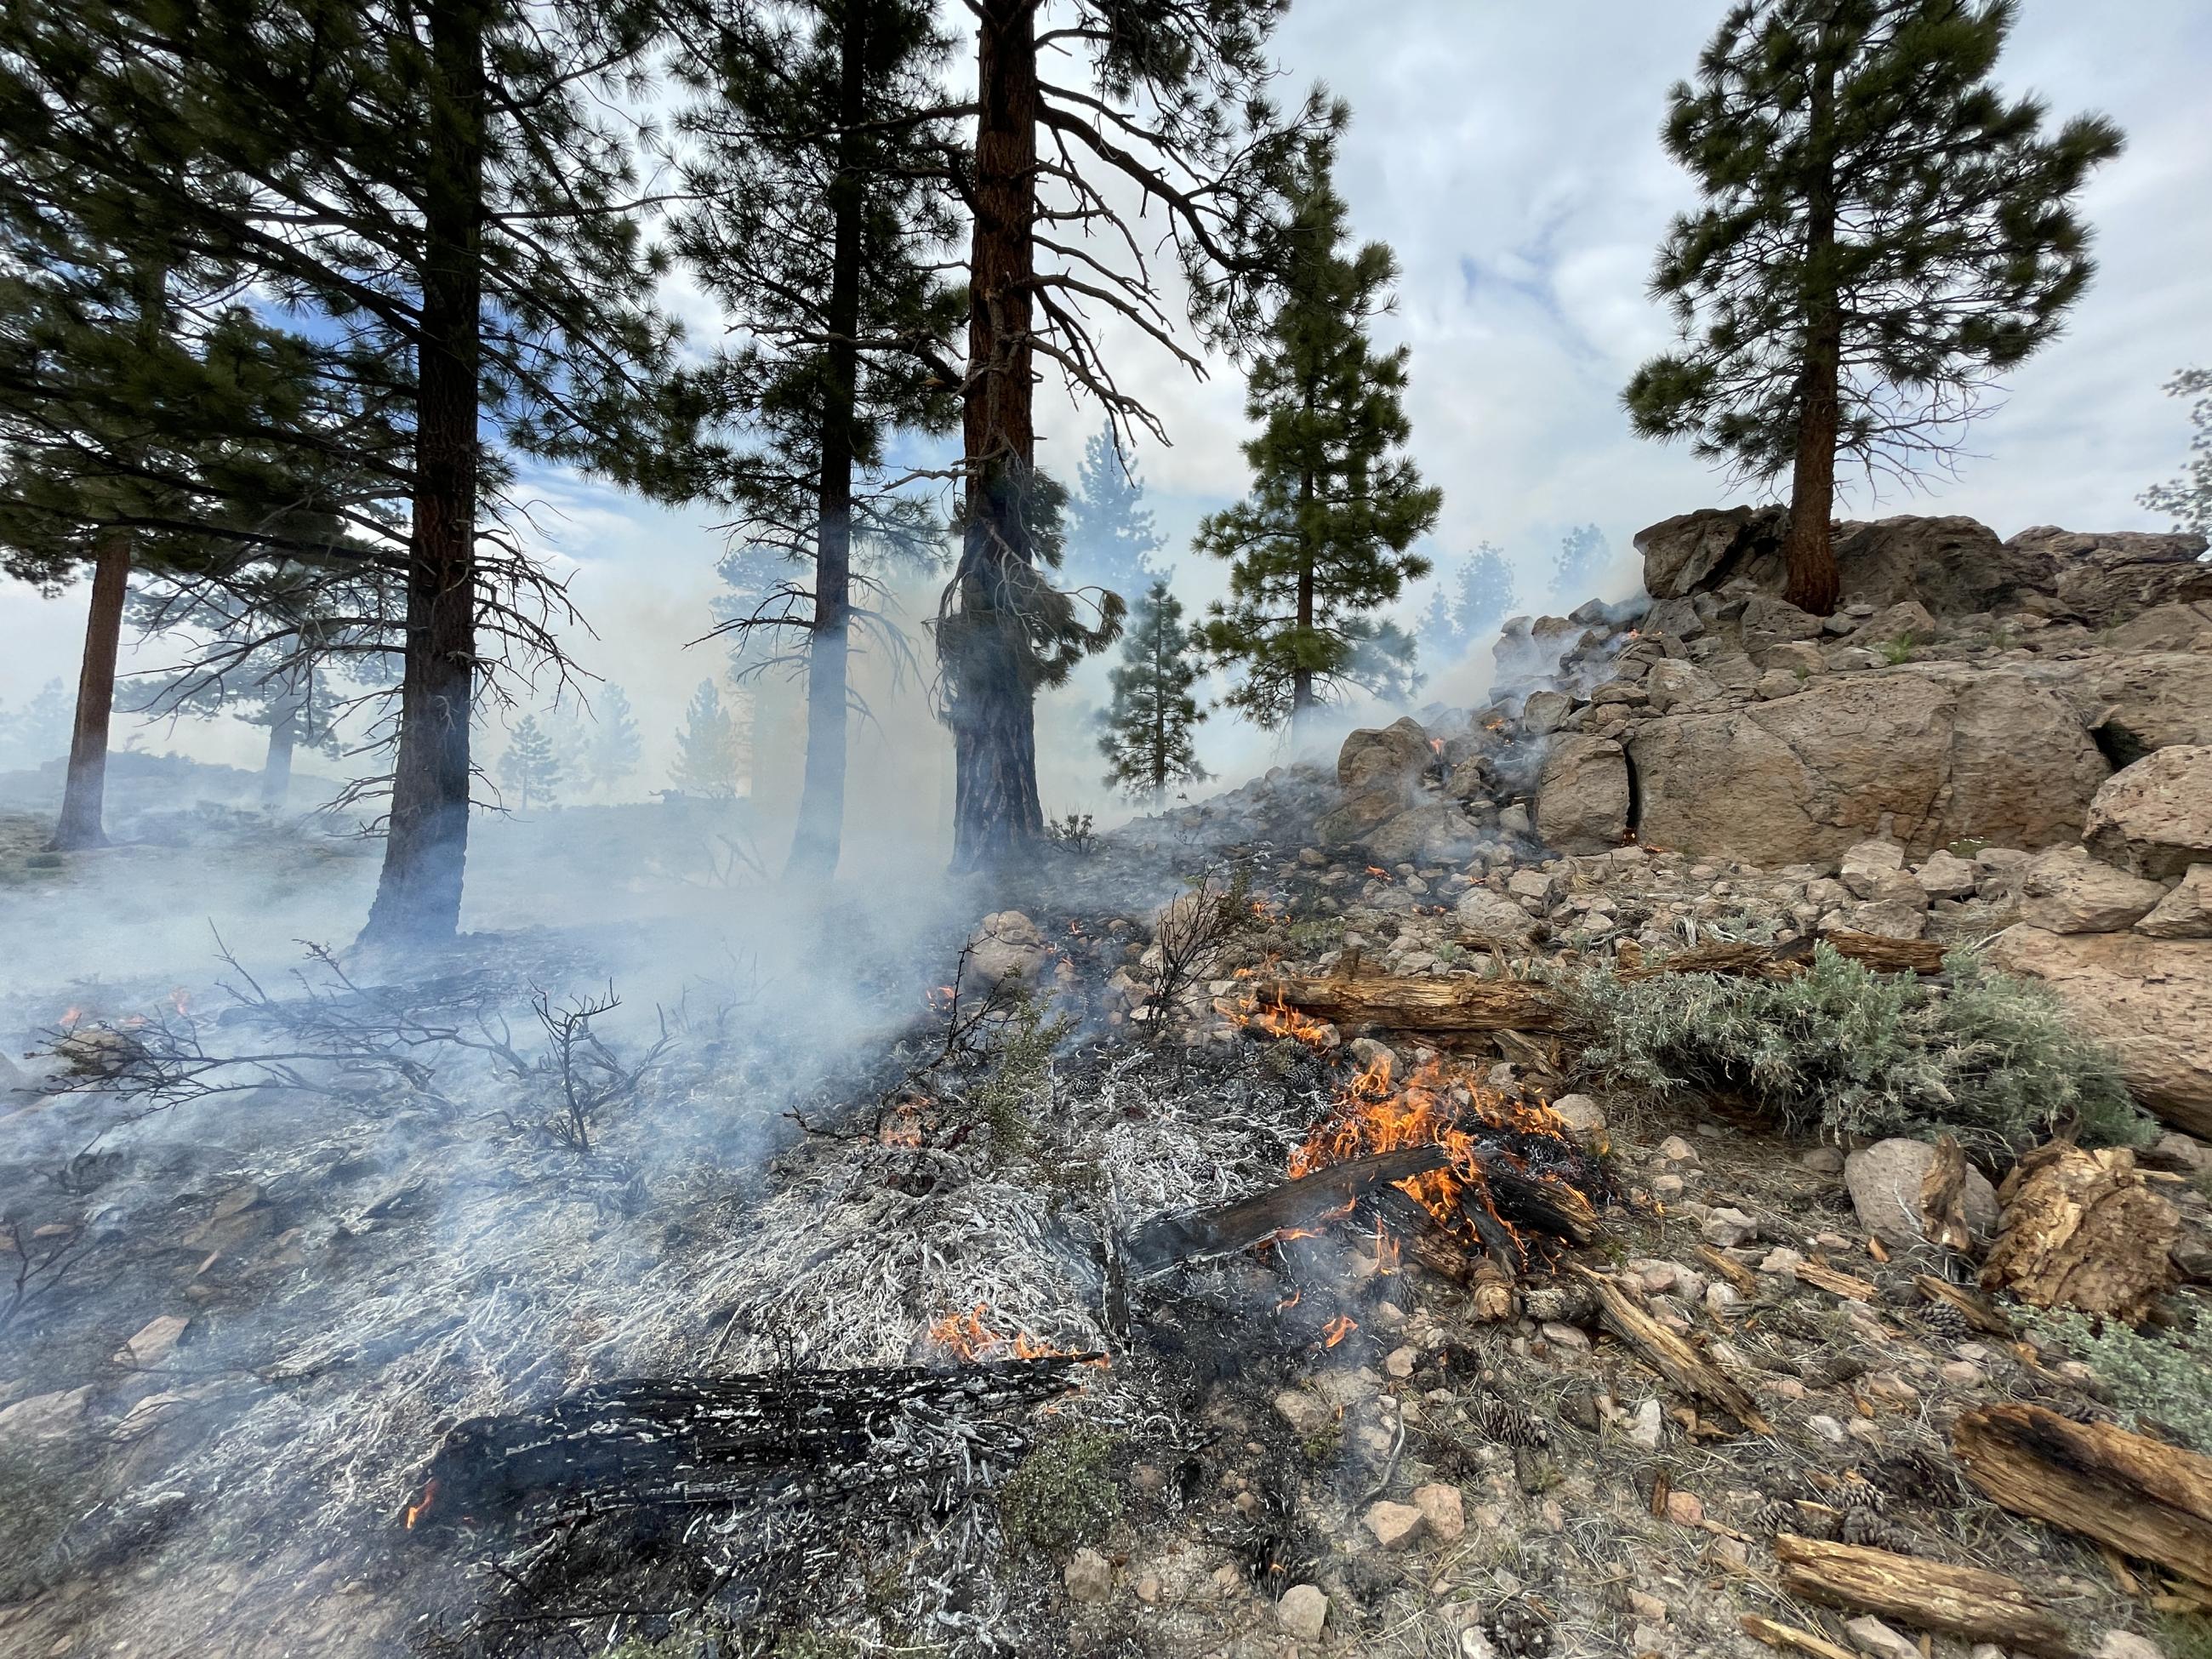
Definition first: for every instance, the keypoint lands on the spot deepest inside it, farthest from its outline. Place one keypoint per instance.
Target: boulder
(1701, 550)
(1008, 946)
(1768, 622)
(1303, 1613)
(2103, 577)
(1945, 876)
(1354, 816)
(1885, 1179)
(1582, 796)
(1673, 682)
(2148, 1000)
(1866, 863)
(1947, 752)
(2167, 628)
(1545, 712)
(1799, 657)
(2064, 890)
(1424, 834)
(2187, 911)
(2135, 701)
(1486, 915)
(1385, 757)
(2154, 818)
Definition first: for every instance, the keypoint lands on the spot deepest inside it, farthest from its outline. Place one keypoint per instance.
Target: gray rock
(1493, 916)
(1884, 1181)
(1382, 757)
(1582, 796)
(2154, 818)
(1725, 1228)
(2126, 1645)
(1006, 945)
(1775, 683)
(1647, 1425)
(1089, 1577)
(2108, 576)
(1423, 835)
(2065, 891)
(1307, 1413)
(1801, 659)
(1672, 683)
(1889, 919)
(1943, 875)
(1544, 712)
(2187, 911)
(1905, 622)
(1303, 1612)
(1580, 1113)
(1877, 1640)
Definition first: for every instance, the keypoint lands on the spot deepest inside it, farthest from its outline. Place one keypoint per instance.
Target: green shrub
(1063, 1496)
(1842, 1050)
(1896, 651)
(1020, 1051)
(2161, 1379)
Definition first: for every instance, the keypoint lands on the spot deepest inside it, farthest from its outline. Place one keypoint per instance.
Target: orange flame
(1378, 872)
(418, 1511)
(968, 1338)
(1279, 1018)
(70, 1018)
(180, 1001)
(1337, 1329)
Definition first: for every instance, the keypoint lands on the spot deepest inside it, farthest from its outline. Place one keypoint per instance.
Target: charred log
(781, 1438)
(1190, 1237)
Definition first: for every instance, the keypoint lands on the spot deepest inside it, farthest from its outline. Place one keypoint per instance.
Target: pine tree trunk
(276, 769)
(1301, 679)
(1807, 548)
(418, 897)
(995, 810)
(1160, 701)
(85, 788)
(822, 793)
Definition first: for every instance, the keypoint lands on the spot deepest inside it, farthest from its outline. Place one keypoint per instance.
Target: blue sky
(1509, 154)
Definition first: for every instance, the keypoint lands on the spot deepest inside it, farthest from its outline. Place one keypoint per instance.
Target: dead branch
(1968, 1602)
(1623, 1314)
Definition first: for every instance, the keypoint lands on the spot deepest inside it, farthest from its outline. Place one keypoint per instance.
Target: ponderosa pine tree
(825, 208)
(530, 767)
(1581, 556)
(1173, 113)
(1883, 234)
(614, 748)
(1110, 537)
(1320, 542)
(445, 187)
(1150, 742)
(1485, 596)
(709, 758)
(2187, 500)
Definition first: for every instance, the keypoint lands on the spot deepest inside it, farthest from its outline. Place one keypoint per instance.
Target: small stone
(1877, 1639)
(156, 1340)
(1986, 1650)
(43, 1416)
(1560, 1335)
(1827, 1428)
(1686, 1509)
(1961, 1373)
(1667, 1186)
(1728, 1228)
(1823, 1160)
(2126, 1645)
(1786, 1388)
(1473, 1644)
(1649, 1608)
(1647, 1425)
(1148, 1588)
(1442, 1510)
(1402, 1361)
(1721, 1298)
(1303, 1612)
(1580, 1114)
(1730, 1552)
(1656, 1277)
(1394, 1525)
(1306, 1413)
(1780, 1259)
(1675, 1150)
(1089, 1576)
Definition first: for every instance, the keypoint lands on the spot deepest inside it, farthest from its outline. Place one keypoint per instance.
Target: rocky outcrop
(2148, 1000)
(2187, 911)
(2066, 891)
(2136, 701)
(2154, 818)
(2109, 576)
(1942, 753)
(1582, 796)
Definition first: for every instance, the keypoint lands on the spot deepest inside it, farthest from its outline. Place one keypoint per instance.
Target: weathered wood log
(1776, 1634)
(798, 1436)
(2142, 1497)
(1463, 1003)
(1968, 1602)
(2083, 1230)
(1623, 1314)
(1835, 1281)
(1166, 1243)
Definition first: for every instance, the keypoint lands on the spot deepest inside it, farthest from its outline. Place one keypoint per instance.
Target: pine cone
(1507, 1424)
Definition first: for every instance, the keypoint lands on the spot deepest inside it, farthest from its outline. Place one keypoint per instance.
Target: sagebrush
(1063, 1496)
(2160, 1378)
(1840, 1050)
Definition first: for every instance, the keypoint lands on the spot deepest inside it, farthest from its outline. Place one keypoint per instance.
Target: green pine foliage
(532, 768)
(1320, 543)
(1581, 559)
(1841, 1050)
(1877, 217)
(613, 747)
(1110, 539)
(1150, 743)
(2187, 500)
(709, 749)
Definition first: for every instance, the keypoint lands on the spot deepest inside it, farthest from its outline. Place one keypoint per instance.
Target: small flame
(1378, 872)
(968, 1337)
(70, 1018)
(1437, 745)
(1290, 1301)
(1337, 1329)
(180, 1001)
(416, 1511)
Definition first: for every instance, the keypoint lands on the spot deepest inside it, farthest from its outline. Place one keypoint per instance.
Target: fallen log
(1463, 1003)
(1968, 1602)
(1776, 1634)
(2143, 1497)
(777, 1436)
(1622, 1314)
(1836, 1282)
(2083, 1230)
(1165, 1243)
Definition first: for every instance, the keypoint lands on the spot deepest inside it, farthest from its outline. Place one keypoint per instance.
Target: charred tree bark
(85, 789)
(1807, 548)
(418, 896)
(822, 793)
(276, 766)
(996, 811)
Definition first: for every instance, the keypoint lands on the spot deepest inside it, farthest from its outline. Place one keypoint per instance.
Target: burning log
(798, 1437)
(2137, 1495)
(1459, 1004)
(1967, 1603)
(1305, 1203)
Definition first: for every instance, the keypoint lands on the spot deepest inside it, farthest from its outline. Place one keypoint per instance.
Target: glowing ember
(968, 1338)
(417, 1511)
(1378, 872)
(180, 1001)
(1337, 1329)
(70, 1018)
